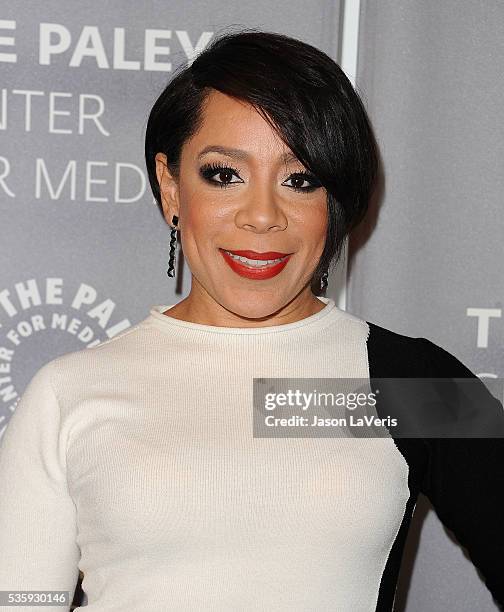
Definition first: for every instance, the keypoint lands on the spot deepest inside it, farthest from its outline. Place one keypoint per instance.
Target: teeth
(257, 263)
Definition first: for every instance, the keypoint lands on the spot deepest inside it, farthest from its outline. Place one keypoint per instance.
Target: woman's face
(254, 198)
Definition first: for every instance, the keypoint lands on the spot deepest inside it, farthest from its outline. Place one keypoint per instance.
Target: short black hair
(305, 97)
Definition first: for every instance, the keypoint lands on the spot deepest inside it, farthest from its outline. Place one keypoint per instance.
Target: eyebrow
(239, 153)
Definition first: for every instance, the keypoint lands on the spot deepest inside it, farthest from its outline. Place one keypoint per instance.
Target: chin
(259, 307)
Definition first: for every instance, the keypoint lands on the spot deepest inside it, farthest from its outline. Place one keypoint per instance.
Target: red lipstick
(254, 272)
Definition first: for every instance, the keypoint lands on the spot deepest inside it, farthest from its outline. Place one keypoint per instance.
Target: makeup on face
(256, 266)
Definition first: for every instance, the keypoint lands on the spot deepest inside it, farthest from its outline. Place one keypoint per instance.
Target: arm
(38, 549)
(465, 482)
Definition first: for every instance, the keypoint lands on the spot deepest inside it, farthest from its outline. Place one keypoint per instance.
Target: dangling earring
(173, 243)
(323, 281)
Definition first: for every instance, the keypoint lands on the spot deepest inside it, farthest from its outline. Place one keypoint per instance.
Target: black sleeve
(465, 482)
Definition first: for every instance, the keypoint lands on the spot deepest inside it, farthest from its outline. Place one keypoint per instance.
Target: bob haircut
(306, 98)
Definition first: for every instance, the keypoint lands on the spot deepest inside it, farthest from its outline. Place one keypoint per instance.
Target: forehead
(234, 123)
(217, 103)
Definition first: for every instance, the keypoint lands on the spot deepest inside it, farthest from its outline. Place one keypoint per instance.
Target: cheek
(314, 220)
(202, 220)
(206, 212)
(194, 207)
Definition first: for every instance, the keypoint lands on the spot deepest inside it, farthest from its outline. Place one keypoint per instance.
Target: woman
(139, 463)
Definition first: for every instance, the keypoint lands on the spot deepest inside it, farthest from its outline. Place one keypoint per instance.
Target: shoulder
(392, 354)
(88, 365)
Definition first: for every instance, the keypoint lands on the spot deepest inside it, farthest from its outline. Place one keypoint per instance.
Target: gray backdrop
(85, 249)
(428, 259)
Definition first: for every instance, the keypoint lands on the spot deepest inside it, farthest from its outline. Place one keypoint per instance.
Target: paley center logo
(43, 318)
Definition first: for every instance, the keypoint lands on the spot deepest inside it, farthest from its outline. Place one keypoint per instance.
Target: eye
(301, 177)
(225, 172)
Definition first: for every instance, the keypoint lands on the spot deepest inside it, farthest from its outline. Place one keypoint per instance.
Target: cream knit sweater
(135, 462)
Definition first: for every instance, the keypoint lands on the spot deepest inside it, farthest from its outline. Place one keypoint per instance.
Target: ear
(168, 187)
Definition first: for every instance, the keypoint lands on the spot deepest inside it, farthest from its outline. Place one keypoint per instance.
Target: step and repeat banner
(85, 249)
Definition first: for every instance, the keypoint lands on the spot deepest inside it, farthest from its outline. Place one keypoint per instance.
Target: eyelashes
(208, 171)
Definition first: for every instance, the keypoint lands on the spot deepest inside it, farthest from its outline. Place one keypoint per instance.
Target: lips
(255, 273)
(259, 256)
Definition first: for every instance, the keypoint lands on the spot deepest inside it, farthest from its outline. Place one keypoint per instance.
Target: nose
(261, 211)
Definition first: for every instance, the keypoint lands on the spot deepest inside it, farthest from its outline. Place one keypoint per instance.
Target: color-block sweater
(135, 462)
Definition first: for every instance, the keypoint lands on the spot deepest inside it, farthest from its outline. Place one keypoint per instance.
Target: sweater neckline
(168, 323)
